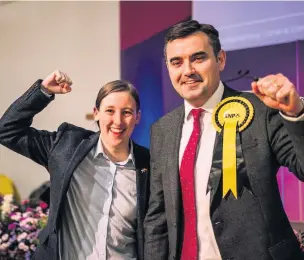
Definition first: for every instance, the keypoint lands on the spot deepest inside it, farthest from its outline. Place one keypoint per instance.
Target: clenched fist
(57, 83)
(276, 91)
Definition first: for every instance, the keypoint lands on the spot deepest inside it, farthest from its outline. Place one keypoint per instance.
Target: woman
(99, 181)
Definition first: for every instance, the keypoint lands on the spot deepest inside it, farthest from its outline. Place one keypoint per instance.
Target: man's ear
(138, 115)
(221, 59)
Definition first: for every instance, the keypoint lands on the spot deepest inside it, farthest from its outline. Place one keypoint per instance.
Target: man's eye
(199, 58)
(175, 62)
(127, 113)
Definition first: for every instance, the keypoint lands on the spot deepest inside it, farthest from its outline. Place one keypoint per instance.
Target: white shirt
(208, 249)
(99, 214)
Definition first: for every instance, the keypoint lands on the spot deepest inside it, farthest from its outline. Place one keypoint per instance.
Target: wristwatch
(302, 111)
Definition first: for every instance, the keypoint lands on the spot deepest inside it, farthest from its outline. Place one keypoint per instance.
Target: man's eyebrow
(174, 58)
(199, 53)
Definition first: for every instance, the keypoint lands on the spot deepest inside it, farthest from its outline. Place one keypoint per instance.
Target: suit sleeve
(16, 132)
(155, 224)
(287, 142)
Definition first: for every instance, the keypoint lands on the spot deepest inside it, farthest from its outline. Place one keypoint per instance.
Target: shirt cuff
(293, 119)
(44, 92)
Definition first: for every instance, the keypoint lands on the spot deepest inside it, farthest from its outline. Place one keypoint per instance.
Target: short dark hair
(117, 86)
(184, 29)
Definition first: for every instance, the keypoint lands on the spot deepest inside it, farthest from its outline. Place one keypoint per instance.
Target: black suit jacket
(254, 227)
(60, 152)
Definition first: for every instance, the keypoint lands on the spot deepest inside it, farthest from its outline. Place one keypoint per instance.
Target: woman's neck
(117, 154)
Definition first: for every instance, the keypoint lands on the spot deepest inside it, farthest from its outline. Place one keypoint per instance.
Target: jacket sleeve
(287, 142)
(16, 132)
(155, 224)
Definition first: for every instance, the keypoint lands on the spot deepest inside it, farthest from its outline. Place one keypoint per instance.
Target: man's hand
(57, 83)
(276, 91)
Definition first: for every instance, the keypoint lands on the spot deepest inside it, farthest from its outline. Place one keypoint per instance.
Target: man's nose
(188, 69)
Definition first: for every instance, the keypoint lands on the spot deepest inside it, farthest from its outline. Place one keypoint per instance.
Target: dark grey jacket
(254, 227)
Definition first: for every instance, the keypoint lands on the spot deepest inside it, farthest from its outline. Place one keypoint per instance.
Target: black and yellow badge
(231, 115)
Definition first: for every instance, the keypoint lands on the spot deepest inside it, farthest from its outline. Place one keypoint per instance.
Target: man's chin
(196, 100)
(195, 95)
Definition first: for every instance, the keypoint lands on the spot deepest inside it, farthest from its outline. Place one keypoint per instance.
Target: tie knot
(196, 113)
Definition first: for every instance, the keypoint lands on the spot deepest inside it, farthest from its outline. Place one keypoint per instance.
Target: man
(191, 215)
(99, 180)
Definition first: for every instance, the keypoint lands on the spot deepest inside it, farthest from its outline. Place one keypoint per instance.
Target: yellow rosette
(231, 115)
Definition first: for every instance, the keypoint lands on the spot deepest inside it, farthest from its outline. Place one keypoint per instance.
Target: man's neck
(203, 100)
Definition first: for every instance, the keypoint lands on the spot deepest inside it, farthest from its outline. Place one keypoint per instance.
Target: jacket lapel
(141, 182)
(216, 169)
(175, 132)
(142, 189)
(80, 153)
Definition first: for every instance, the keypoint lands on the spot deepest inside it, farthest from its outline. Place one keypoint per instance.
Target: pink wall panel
(140, 20)
(291, 195)
(301, 198)
(292, 190)
(300, 85)
(301, 201)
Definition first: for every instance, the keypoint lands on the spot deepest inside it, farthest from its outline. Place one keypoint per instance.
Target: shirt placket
(107, 206)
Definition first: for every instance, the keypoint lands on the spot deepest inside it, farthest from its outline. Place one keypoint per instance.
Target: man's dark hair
(184, 29)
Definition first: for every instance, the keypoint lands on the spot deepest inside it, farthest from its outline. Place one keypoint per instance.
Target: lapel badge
(144, 170)
(231, 116)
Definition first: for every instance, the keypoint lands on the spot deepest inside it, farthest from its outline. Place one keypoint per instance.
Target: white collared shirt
(98, 219)
(208, 249)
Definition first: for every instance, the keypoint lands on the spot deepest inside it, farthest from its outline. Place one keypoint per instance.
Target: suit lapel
(80, 153)
(141, 181)
(216, 170)
(174, 136)
(142, 168)
(175, 131)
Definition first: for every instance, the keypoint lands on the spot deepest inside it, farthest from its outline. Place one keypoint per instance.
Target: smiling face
(193, 68)
(117, 116)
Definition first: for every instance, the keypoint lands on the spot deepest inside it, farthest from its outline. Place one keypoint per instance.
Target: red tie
(190, 247)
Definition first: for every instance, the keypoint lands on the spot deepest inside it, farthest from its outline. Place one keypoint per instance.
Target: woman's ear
(96, 114)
